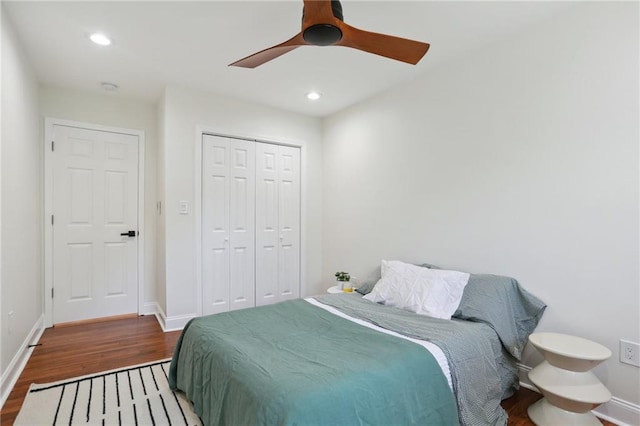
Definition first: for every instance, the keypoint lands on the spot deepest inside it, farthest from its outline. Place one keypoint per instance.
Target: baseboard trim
(161, 317)
(177, 322)
(174, 323)
(617, 411)
(95, 320)
(523, 375)
(149, 308)
(14, 369)
(620, 412)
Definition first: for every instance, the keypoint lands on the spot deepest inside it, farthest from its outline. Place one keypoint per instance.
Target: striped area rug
(136, 395)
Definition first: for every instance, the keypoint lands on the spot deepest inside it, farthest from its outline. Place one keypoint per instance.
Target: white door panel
(289, 222)
(277, 223)
(228, 209)
(267, 237)
(215, 225)
(242, 224)
(95, 199)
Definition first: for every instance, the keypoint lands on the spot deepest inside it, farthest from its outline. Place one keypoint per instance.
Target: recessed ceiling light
(314, 96)
(110, 87)
(100, 39)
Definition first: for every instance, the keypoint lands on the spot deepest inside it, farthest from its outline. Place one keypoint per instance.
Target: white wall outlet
(630, 353)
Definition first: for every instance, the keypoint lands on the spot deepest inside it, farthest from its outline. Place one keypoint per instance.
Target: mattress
(296, 363)
(339, 359)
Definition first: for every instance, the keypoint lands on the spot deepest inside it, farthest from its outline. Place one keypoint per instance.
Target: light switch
(184, 207)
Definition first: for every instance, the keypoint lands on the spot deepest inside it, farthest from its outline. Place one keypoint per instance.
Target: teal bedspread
(293, 363)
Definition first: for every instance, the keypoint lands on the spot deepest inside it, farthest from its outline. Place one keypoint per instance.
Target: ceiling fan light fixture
(313, 95)
(322, 35)
(100, 39)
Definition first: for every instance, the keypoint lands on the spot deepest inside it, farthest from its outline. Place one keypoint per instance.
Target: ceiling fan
(322, 25)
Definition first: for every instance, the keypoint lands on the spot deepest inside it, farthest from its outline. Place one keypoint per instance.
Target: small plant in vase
(342, 278)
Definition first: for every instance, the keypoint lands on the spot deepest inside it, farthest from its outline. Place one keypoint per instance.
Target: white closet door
(266, 224)
(289, 222)
(277, 223)
(215, 225)
(228, 209)
(242, 224)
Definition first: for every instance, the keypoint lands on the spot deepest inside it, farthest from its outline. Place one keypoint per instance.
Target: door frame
(201, 131)
(49, 124)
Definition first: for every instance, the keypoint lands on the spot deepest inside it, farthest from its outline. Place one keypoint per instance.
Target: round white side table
(569, 388)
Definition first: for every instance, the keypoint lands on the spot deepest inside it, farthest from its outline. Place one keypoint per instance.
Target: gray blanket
(473, 350)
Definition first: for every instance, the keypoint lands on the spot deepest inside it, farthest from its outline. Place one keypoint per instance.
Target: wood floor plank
(77, 350)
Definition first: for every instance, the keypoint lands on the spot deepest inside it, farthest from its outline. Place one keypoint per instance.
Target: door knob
(129, 234)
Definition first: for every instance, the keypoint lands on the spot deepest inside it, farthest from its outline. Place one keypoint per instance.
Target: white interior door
(95, 201)
(228, 223)
(277, 223)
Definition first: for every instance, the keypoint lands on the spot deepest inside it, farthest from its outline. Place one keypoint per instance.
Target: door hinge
(52, 292)
(51, 219)
(53, 143)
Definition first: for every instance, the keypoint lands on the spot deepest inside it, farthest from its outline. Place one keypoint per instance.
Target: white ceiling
(190, 44)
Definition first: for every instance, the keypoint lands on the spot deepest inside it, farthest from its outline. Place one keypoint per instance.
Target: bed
(339, 359)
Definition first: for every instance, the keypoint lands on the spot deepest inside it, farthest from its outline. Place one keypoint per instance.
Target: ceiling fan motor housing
(325, 34)
(322, 34)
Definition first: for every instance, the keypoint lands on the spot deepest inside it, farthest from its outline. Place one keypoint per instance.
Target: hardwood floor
(90, 348)
(77, 350)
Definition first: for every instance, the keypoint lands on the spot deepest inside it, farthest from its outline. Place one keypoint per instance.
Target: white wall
(520, 159)
(184, 110)
(21, 198)
(112, 110)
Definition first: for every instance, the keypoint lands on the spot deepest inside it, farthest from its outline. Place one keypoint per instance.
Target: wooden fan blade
(317, 12)
(400, 49)
(266, 55)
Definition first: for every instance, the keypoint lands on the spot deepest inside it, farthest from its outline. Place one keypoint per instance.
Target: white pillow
(432, 292)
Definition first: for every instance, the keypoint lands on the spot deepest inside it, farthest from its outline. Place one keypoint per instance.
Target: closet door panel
(267, 238)
(242, 224)
(215, 225)
(289, 222)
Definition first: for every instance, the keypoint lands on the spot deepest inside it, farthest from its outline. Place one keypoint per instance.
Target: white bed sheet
(433, 349)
